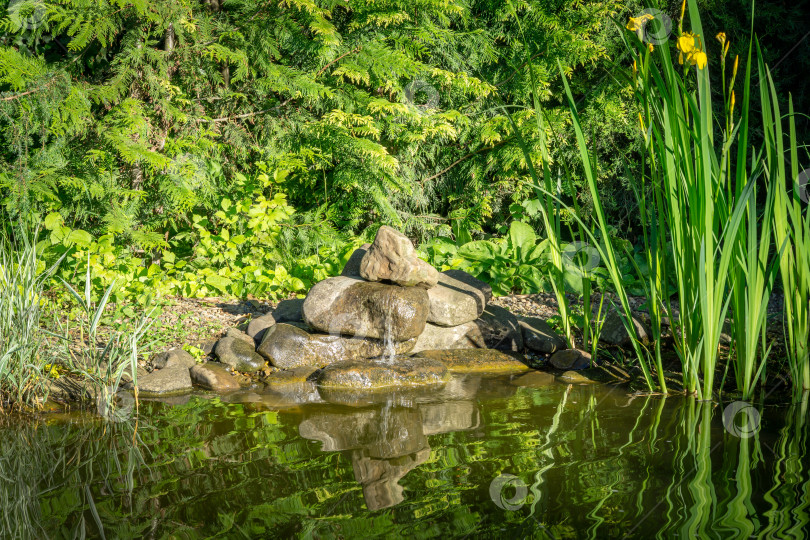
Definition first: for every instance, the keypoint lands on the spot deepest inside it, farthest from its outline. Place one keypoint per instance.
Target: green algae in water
(482, 457)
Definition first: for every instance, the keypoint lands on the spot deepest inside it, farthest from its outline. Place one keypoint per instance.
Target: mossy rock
(476, 360)
(376, 374)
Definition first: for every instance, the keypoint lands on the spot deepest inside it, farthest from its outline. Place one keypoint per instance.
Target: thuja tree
(132, 117)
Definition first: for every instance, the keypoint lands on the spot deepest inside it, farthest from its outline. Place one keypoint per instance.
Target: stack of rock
(387, 303)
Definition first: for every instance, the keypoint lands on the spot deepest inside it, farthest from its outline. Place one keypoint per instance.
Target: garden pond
(486, 456)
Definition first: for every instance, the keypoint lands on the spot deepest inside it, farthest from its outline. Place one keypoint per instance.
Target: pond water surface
(504, 456)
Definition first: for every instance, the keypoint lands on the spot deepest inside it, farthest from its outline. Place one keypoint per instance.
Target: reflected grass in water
(593, 462)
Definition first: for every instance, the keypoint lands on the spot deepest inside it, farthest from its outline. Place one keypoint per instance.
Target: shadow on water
(482, 456)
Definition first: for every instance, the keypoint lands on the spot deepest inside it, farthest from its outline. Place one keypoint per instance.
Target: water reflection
(385, 442)
(595, 462)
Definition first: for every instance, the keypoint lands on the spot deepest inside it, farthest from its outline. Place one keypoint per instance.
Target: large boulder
(464, 336)
(539, 337)
(167, 381)
(352, 307)
(457, 298)
(288, 347)
(352, 266)
(383, 374)
(475, 360)
(499, 329)
(392, 257)
(239, 354)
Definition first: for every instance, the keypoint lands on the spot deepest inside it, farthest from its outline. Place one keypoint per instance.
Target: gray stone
(352, 266)
(238, 354)
(475, 361)
(173, 358)
(238, 334)
(539, 337)
(458, 298)
(212, 376)
(352, 307)
(499, 329)
(571, 359)
(260, 323)
(392, 257)
(170, 380)
(614, 332)
(291, 310)
(454, 337)
(371, 374)
(288, 347)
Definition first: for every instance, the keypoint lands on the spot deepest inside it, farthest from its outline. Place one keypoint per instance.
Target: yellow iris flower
(690, 48)
(636, 24)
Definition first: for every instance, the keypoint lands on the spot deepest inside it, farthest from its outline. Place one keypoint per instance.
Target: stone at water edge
(352, 307)
(475, 360)
(392, 257)
(458, 298)
(464, 336)
(539, 337)
(571, 359)
(238, 354)
(574, 377)
(167, 381)
(213, 376)
(287, 347)
(372, 374)
(614, 332)
(173, 358)
(352, 266)
(499, 329)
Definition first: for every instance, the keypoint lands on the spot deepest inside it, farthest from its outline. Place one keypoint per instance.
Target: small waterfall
(389, 346)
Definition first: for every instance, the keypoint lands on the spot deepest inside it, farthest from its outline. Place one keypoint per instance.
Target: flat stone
(475, 360)
(455, 337)
(571, 359)
(499, 329)
(161, 382)
(173, 358)
(352, 266)
(286, 346)
(574, 377)
(290, 376)
(457, 298)
(539, 337)
(238, 354)
(352, 307)
(614, 332)
(367, 374)
(392, 257)
(213, 376)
